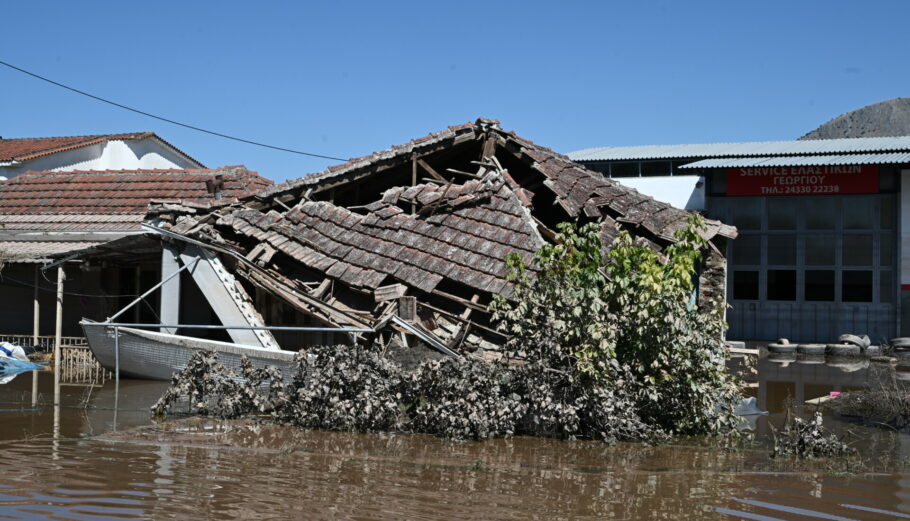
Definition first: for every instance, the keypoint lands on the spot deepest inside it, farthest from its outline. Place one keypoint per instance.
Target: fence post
(117, 356)
(58, 333)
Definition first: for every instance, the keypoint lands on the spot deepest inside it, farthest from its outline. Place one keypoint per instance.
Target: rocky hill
(885, 118)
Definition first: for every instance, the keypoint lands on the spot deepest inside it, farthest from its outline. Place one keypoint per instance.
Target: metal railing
(45, 342)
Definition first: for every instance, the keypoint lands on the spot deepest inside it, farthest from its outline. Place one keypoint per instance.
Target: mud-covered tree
(628, 317)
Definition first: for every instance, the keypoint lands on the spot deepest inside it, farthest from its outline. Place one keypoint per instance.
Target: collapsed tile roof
(460, 232)
(578, 190)
(24, 149)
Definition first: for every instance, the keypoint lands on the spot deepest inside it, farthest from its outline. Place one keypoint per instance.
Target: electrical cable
(171, 121)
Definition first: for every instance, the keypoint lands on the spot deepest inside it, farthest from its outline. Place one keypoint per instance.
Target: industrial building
(823, 246)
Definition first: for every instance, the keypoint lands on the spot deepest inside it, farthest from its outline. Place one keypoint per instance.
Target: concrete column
(170, 290)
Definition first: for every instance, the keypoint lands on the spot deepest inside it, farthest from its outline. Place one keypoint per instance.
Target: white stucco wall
(147, 153)
(682, 191)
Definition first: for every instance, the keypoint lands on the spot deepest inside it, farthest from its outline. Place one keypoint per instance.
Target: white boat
(156, 356)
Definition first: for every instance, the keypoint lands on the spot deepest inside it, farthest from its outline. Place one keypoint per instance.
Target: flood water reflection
(81, 461)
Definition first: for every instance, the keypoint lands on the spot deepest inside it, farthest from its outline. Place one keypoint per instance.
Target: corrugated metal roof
(758, 148)
(835, 160)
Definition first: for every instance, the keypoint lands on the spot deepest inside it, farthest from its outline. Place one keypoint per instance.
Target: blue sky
(347, 78)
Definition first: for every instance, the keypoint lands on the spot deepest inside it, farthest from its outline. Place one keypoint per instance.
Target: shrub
(463, 399)
(213, 390)
(807, 439)
(344, 388)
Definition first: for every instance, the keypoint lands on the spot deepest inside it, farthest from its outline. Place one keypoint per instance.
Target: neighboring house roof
(759, 148)
(57, 206)
(17, 150)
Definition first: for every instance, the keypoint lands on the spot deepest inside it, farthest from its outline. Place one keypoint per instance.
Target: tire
(873, 351)
(862, 342)
(901, 343)
(782, 348)
(843, 350)
(811, 349)
(883, 360)
(847, 365)
(783, 341)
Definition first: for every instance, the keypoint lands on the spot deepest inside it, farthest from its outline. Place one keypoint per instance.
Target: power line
(191, 127)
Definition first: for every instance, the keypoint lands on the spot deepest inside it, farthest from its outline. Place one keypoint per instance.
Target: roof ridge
(142, 171)
(86, 136)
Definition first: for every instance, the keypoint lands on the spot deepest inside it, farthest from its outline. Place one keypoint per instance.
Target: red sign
(802, 180)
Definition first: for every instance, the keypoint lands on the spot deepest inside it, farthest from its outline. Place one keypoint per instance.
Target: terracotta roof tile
(31, 198)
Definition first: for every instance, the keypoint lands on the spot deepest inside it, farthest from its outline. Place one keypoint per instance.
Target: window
(885, 287)
(856, 286)
(781, 284)
(859, 214)
(886, 219)
(886, 250)
(747, 214)
(782, 214)
(857, 250)
(820, 250)
(745, 285)
(819, 285)
(821, 213)
(782, 249)
(747, 249)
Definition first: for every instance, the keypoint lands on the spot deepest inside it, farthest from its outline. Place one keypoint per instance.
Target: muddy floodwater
(99, 456)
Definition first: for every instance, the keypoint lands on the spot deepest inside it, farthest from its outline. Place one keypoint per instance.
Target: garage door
(811, 268)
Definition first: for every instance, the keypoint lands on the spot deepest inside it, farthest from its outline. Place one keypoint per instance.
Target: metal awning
(830, 160)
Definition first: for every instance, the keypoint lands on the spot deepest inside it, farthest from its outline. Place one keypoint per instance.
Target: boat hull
(157, 356)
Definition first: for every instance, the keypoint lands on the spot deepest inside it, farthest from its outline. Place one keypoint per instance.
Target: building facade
(823, 246)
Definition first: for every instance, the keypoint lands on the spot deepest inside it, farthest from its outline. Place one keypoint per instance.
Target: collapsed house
(409, 242)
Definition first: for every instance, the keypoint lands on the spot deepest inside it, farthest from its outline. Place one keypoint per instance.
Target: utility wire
(191, 127)
(4, 278)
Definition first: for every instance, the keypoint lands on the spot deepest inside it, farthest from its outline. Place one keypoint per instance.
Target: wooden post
(413, 181)
(137, 287)
(35, 334)
(58, 332)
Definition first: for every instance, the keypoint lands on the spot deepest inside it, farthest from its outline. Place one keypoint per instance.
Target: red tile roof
(23, 149)
(116, 192)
